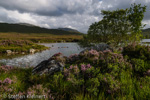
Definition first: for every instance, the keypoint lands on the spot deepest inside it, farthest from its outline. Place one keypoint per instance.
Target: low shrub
(138, 51)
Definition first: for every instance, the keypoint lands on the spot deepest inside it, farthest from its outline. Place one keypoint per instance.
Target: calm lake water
(145, 40)
(32, 60)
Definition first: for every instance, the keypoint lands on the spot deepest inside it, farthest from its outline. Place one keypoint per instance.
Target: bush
(137, 51)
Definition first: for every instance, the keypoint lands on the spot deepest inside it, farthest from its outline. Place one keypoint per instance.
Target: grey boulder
(50, 66)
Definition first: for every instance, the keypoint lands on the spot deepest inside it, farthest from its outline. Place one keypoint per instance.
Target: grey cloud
(4, 17)
(78, 14)
(147, 13)
(46, 7)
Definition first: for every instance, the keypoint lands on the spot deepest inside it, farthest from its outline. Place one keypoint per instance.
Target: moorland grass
(40, 37)
(19, 46)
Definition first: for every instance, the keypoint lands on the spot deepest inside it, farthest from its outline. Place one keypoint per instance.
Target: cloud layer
(77, 14)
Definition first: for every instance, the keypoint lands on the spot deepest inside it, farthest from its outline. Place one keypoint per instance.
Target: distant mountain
(68, 29)
(146, 30)
(29, 28)
(26, 24)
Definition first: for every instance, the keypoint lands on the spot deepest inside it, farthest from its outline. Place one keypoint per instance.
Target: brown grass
(42, 37)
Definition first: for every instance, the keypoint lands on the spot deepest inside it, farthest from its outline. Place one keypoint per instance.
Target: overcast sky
(76, 14)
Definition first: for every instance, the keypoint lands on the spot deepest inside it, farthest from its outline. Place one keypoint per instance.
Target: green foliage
(85, 42)
(135, 50)
(139, 57)
(138, 65)
(118, 26)
(136, 16)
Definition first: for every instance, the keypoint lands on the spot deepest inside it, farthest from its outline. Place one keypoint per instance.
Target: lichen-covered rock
(32, 51)
(8, 51)
(50, 66)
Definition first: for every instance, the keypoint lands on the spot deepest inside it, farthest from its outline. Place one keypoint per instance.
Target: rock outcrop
(50, 66)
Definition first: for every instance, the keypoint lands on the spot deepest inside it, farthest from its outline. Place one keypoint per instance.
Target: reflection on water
(32, 60)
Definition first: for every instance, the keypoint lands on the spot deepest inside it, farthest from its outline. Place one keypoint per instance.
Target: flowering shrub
(15, 42)
(93, 53)
(76, 70)
(137, 51)
(57, 54)
(5, 68)
(95, 58)
(107, 66)
(39, 90)
(89, 56)
(72, 58)
(110, 83)
(139, 57)
(113, 62)
(58, 57)
(5, 86)
(109, 57)
(71, 69)
(7, 81)
(85, 67)
(76, 74)
(82, 76)
(101, 59)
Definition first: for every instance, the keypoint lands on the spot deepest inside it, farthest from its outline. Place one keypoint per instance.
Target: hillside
(68, 29)
(146, 32)
(27, 28)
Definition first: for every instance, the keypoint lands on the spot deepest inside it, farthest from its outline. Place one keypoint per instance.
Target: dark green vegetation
(119, 26)
(146, 33)
(23, 28)
(92, 76)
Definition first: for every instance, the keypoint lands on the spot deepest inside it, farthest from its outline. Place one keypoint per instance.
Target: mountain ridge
(29, 28)
(68, 29)
(146, 33)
